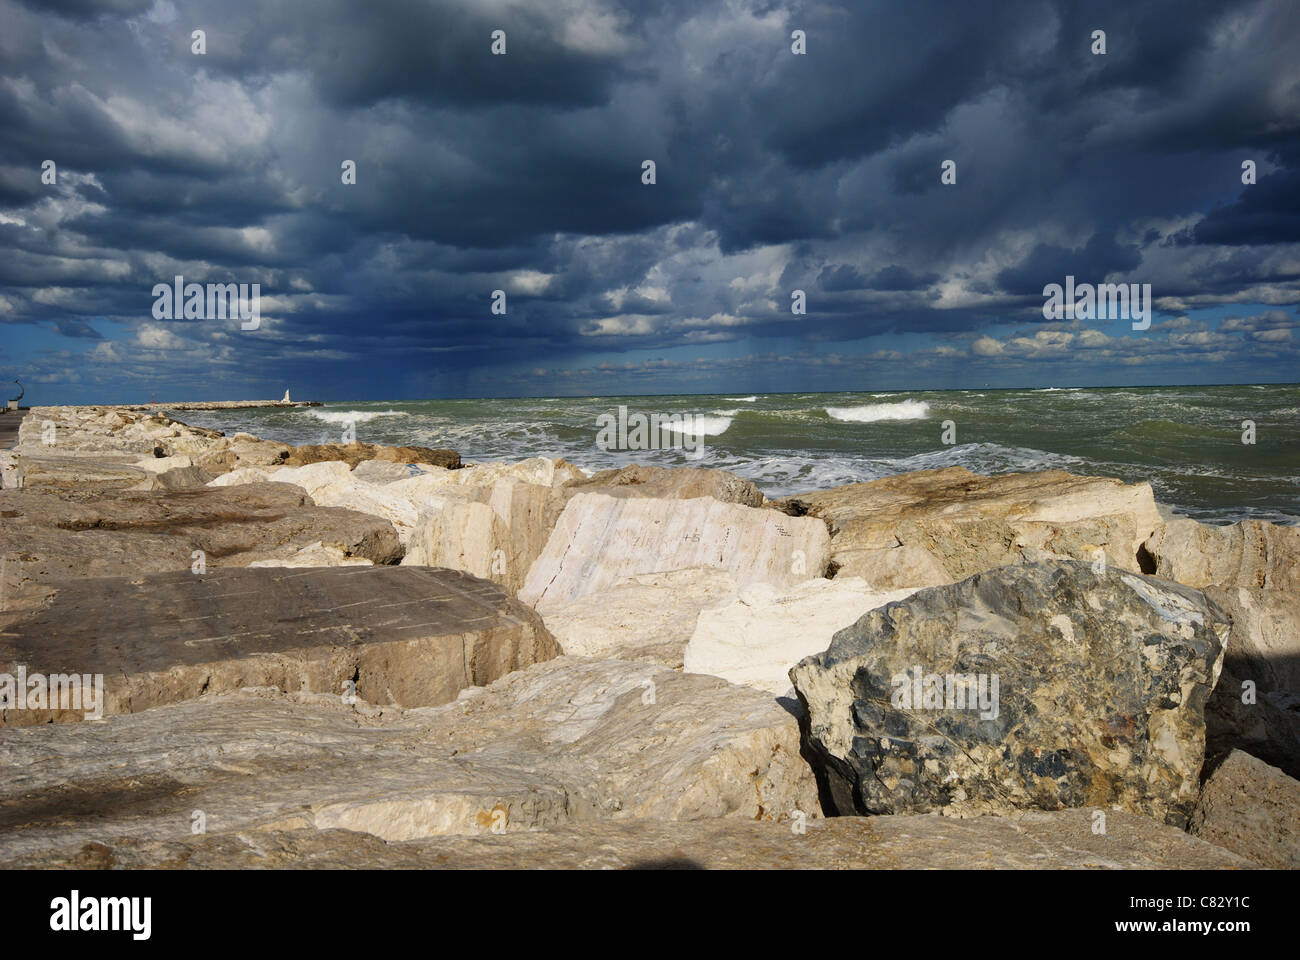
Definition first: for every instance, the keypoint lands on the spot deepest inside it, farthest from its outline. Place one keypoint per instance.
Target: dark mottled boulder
(1089, 690)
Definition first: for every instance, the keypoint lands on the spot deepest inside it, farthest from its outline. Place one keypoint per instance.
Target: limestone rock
(1242, 714)
(649, 617)
(96, 431)
(1101, 686)
(46, 537)
(354, 453)
(1252, 554)
(333, 483)
(82, 474)
(51, 436)
(10, 475)
(1033, 841)
(410, 636)
(176, 478)
(315, 476)
(431, 489)
(760, 635)
(938, 526)
(1251, 809)
(546, 471)
(399, 501)
(386, 471)
(242, 475)
(670, 483)
(566, 741)
(103, 433)
(600, 540)
(566, 473)
(231, 453)
(639, 740)
(494, 531)
(316, 555)
(1265, 635)
(163, 464)
(1255, 706)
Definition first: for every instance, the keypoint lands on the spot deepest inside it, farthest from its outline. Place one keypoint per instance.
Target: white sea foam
(806, 445)
(871, 412)
(700, 426)
(350, 416)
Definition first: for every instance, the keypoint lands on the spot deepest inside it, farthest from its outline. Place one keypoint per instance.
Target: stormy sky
(523, 172)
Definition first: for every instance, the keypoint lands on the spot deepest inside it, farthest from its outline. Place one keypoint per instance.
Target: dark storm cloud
(523, 172)
(895, 277)
(89, 9)
(1098, 258)
(404, 50)
(1267, 213)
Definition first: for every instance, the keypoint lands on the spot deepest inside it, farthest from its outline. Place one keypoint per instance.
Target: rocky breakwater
(99, 448)
(521, 652)
(263, 615)
(90, 449)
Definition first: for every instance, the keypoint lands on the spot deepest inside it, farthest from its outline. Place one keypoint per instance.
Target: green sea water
(1187, 441)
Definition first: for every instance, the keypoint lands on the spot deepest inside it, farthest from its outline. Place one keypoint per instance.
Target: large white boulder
(600, 540)
(758, 637)
(494, 531)
(648, 617)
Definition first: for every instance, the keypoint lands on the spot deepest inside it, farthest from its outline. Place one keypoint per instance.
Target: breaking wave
(351, 416)
(700, 426)
(871, 412)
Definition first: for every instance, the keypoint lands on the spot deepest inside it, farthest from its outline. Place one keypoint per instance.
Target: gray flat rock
(413, 636)
(46, 536)
(570, 740)
(1040, 841)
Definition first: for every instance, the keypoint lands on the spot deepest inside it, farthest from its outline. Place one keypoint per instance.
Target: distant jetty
(212, 405)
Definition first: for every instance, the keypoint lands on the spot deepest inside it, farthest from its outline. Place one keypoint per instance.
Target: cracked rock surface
(1102, 681)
